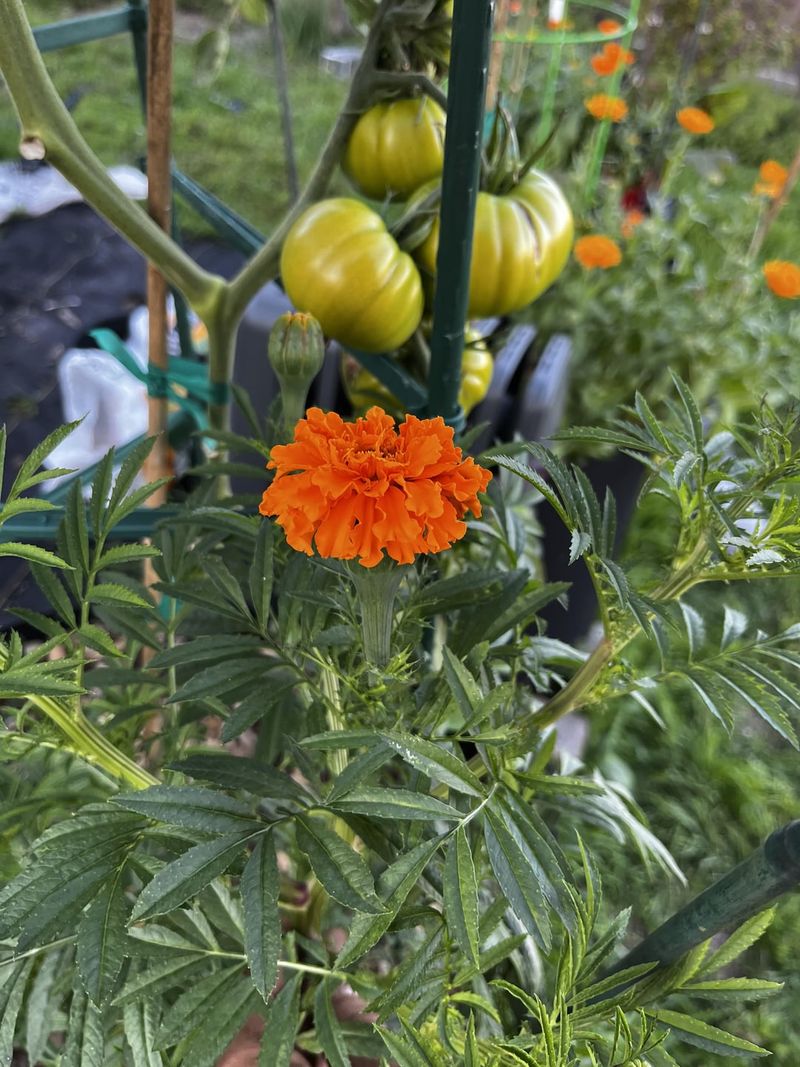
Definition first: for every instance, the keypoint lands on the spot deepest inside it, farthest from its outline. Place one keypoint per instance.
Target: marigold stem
(377, 588)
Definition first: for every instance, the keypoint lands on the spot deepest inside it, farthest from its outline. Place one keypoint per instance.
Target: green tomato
(340, 263)
(521, 244)
(396, 147)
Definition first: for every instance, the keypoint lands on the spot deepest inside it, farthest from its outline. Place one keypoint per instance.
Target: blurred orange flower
(515, 7)
(610, 59)
(601, 106)
(633, 218)
(695, 120)
(609, 26)
(783, 278)
(773, 178)
(359, 489)
(597, 250)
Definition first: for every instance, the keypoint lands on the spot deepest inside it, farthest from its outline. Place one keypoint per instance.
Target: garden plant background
(329, 795)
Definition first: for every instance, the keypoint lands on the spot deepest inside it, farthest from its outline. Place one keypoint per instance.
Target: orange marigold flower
(633, 218)
(515, 7)
(783, 278)
(601, 106)
(597, 250)
(357, 489)
(609, 26)
(773, 178)
(695, 120)
(610, 59)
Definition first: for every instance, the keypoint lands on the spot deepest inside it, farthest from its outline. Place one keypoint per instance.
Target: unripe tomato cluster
(341, 263)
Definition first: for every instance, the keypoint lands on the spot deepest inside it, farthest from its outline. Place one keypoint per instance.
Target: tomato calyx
(503, 166)
(415, 37)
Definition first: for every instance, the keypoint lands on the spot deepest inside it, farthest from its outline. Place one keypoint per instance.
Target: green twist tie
(184, 382)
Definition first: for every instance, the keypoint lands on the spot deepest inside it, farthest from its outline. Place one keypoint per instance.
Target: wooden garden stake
(159, 200)
(498, 52)
(159, 207)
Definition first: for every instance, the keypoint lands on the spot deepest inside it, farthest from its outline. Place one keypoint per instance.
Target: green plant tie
(184, 382)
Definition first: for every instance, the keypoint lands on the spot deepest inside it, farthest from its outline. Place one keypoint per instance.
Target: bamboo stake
(159, 203)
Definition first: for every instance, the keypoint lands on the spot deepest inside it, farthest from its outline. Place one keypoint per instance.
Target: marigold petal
(364, 488)
(695, 121)
(783, 278)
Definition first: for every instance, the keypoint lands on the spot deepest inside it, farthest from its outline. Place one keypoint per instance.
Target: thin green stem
(48, 131)
(86, 740)
(264, 265)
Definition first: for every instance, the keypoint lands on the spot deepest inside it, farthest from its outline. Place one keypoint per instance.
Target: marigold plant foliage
(783, 278)
(695, 121)
(356, 490)
(597, 250)
(603, 106)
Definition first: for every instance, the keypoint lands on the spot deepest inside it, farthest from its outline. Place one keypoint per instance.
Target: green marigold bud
(296, 352)
(296, 347)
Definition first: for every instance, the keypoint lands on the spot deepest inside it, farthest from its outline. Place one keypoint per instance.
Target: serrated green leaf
(140, 1019)
(42, 1005)
(407, 977)
(260, 889)
(435, 761)
(261, 573)
(240, 772)
(114, 593)
(471, 1051)
(194, 1004)
(12, 991)
(225, 677)
(102, 936)
(85, 1046)
(190, 806)
(28, 468)
(128, 471)
(99, 640)
(33, 554)
(221, 1025)
(461, 896)
(704, 1036)
(736, 988)
(118, 554)
(161, 976)
(739, 941)
(183, 878)
(101, 490)
(280, 1025)
(342, 872)
(208, 649)
(462, 685)
(358, 769)
(404, 1051)
(394, 885)
(516, 878)
(379, 803)
(55, 593)
(327, 1025)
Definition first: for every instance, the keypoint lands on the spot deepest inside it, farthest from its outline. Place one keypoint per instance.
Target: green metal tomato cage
(774, 868)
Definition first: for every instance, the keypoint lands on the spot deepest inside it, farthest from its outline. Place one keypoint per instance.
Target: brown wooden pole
(498, 53)
(160, 27)
(159, 205)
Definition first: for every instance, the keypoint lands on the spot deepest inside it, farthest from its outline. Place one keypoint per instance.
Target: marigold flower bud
(296, 352)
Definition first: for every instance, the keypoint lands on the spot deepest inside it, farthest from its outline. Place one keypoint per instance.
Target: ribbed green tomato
(522, 242)
(477, 366)
(395, 147)
(340, 263)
